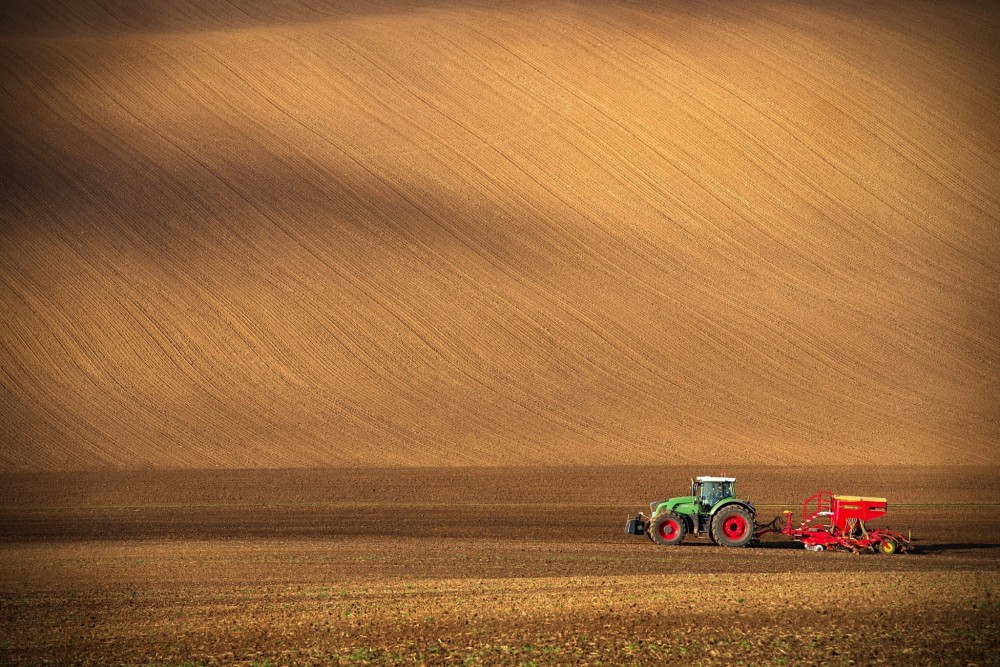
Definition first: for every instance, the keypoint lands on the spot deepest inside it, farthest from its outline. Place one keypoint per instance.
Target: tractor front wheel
(667, 528)
(733, 526)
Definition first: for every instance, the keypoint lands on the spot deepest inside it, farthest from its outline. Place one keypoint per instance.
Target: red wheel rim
(668, 529)
(734, 527)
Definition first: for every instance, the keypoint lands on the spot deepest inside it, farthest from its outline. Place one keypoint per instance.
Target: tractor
(712, 509)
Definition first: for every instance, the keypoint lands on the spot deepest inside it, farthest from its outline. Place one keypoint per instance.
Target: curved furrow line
(606, 261)
(649, 144)
(856, 178)
(817, 83)
(388, 309)
(958, 276)
(957, 61)
(90, 364)
(46, 403)
(920, 154)
(361, 348)
(632, 169)
(817, 51)
(62, 399)
(430, 216)
(168, 347)
(593, 327)
(421, 333)
(220, 390)
(485, 258)
(888, 133)
(782, 243)
(747, 102)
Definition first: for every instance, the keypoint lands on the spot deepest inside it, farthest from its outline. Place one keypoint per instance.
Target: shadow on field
(777, 545)
(957, 546)
(696, 543)
(317, 521)
(542, 523)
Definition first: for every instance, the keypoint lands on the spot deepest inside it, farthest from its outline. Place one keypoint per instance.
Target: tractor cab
(710, 490)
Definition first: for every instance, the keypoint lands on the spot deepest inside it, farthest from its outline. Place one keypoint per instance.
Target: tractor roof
(715, 479)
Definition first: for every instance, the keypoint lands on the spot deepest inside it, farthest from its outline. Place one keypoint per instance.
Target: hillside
(245, 234)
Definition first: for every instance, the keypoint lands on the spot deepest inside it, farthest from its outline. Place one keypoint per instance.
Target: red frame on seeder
(838, 522)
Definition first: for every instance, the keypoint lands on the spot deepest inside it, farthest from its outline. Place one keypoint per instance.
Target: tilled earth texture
(472, 566)
(351, 331)
(275, 234)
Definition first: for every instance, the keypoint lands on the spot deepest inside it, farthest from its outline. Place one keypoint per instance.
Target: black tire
(667, 529)
(733, 526)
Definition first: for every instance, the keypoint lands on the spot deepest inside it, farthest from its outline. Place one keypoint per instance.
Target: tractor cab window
(725, 490)
(713, 492)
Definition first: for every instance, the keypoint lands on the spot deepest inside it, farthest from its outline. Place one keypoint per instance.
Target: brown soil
(494, 572)
(269, 234)
(610, 486)
(350, 331)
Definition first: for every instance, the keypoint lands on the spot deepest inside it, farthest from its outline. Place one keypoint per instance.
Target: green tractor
(712, 508)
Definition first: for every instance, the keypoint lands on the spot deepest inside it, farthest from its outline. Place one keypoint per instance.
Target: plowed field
(272, 234)
(502, 566)
(350, 331)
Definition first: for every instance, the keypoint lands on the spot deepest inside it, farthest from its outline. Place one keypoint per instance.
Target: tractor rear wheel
(733, 526)
(667, 528)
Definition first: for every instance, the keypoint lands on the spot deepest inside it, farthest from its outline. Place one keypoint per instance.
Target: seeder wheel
(888, 546)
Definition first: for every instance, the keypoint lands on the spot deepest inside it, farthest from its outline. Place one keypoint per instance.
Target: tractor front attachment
(638, 525)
